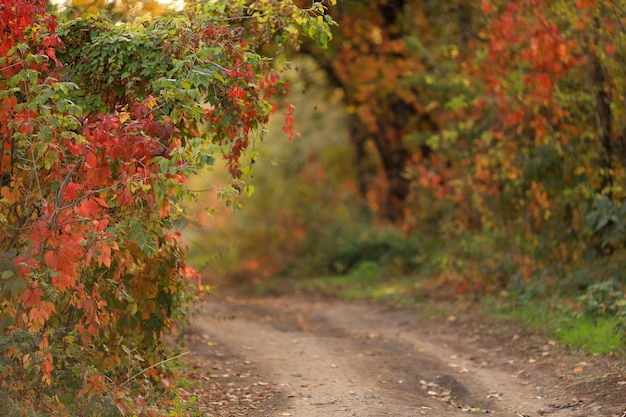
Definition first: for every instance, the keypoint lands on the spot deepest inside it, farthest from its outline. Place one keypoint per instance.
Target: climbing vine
(101, 126)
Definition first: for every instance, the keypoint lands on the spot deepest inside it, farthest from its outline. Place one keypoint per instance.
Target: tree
(494, 124)
(531, 152)
(101, 125)
(120, 10)
(386, 54)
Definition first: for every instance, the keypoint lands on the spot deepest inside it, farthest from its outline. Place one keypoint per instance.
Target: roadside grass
(346, 287)
(594, 335)
(591, 334)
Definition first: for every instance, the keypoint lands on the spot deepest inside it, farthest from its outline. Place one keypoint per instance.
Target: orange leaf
(582, 4)
(37, 317)
(89, 208)
(63, 261)
(104, 255)
(71, 189)
(90, 160)
(32, 296)
(47, 364)
(101, 201)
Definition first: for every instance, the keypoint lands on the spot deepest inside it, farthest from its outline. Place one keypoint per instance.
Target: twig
(557, 407)
(143, 371)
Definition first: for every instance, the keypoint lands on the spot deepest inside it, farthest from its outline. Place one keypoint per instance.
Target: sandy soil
(298, 357)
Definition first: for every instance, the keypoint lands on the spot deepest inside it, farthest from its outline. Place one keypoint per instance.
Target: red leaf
(140, 110)
(101, 202)
(47, 364)
(32, 296)
(89, 208)
(90, 160)
(71, 189)
(64, 260)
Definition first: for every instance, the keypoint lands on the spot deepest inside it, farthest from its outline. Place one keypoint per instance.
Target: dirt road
(321, 358)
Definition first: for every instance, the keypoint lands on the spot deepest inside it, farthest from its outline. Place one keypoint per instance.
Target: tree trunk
(394, 161)
(604, 115)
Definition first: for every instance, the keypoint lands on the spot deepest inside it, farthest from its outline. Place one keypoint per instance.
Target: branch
(143, 371)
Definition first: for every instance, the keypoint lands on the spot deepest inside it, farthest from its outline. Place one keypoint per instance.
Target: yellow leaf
(26, 360)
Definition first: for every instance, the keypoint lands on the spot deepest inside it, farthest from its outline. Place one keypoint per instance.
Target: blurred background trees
(475, 145)
(385, 55)
(120, 10)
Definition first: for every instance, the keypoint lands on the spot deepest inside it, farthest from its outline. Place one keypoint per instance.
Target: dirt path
(308, 358)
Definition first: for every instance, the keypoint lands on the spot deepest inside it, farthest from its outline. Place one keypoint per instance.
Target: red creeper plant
(101, 126)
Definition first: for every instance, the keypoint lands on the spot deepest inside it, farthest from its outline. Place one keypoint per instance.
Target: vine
(101, 126)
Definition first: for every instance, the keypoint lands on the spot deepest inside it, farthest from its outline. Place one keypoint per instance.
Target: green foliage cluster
(606, 299)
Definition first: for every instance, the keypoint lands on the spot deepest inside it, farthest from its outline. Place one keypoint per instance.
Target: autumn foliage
(490, 133)
(101, 125)
(535, 156)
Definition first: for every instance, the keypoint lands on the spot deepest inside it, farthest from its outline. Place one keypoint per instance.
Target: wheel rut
(343, 359)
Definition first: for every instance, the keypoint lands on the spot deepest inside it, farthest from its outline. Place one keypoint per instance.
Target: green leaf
(7, 274)
(15, 286)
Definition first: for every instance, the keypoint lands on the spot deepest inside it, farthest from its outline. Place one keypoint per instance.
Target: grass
(347, 287)
(594, 335)
(598, 335)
